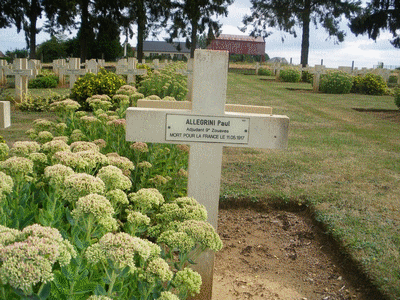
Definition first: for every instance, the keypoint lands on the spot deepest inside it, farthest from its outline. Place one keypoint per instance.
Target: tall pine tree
(286, 15)
(148, 15)
(193, 17)
(376, 16)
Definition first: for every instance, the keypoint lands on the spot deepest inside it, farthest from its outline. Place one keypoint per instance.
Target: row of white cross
(23, 69)
(23, 72)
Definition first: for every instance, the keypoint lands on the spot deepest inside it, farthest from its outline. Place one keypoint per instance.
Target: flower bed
(87, 215)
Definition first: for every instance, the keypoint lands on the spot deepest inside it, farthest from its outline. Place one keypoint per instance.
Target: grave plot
(207, 128)
(272, 254)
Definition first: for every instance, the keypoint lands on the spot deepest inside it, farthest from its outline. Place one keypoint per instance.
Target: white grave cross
(3, 69)
(21, 73)
(74, 71)
(207, 127)
(5, 115)
(318, 71)
(128, 67)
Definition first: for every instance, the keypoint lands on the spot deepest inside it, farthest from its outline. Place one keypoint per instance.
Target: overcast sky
(363, 51)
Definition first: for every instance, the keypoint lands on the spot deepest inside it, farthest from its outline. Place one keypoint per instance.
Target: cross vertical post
(5, 114)
(61, 68)
(3, 68)
(318, 71)
(21, 73)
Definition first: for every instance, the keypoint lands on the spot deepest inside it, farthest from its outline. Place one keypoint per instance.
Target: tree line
(101, 22)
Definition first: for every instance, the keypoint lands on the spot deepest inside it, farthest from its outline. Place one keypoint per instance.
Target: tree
(146, 14)
(202, 41)
(23, 14)
(379, 15)
(289, 14)
(107, 43)
(10, 13)
(32, 11)
(92, 14)
(191, 17)
(52, 49)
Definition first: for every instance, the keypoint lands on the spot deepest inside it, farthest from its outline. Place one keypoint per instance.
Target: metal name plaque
(191, 128)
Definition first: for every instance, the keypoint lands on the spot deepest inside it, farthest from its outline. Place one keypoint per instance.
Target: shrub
(264, 72)
(372, 84)
(46, 79)
(336, 82)
(306, 77)
(43, 82)
(357, 84)
(146, 67)
(104, 83)
(38, 103)
(392, 80)
(290, 75)
(397, 97)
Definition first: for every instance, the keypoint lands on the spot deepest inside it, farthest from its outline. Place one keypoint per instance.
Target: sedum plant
(165, 82)
(120, 208)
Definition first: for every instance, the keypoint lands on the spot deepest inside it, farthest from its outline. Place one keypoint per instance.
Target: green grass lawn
(341, 163)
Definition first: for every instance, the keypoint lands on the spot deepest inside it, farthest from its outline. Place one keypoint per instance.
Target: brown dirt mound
(275, 254)
(385, 114)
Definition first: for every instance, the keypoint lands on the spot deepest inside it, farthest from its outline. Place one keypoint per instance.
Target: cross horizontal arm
(267, 110)
(21, 72)
(264, 131)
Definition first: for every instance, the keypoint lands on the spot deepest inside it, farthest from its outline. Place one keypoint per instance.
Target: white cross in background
(128, 67)
(21, 73)
(74, 71)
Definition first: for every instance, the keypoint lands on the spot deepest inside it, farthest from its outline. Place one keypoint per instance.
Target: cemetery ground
(307, 222)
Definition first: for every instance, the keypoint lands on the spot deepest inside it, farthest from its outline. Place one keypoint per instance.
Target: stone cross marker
(5, 115)
(318, 71)
(189, 73)
(35, 66)
(207, 127)
(21, 73)
(74, 71)
(348, 70)
(3, 69)
(257, 67)
(276, 70)
(128, 67)
(92, 66)
(62, 68)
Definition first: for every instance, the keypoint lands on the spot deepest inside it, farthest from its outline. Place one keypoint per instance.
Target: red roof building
(239, 44)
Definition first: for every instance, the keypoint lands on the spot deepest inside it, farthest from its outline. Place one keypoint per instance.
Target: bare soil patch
(279, 255)
(385, 114)
(300, 90)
